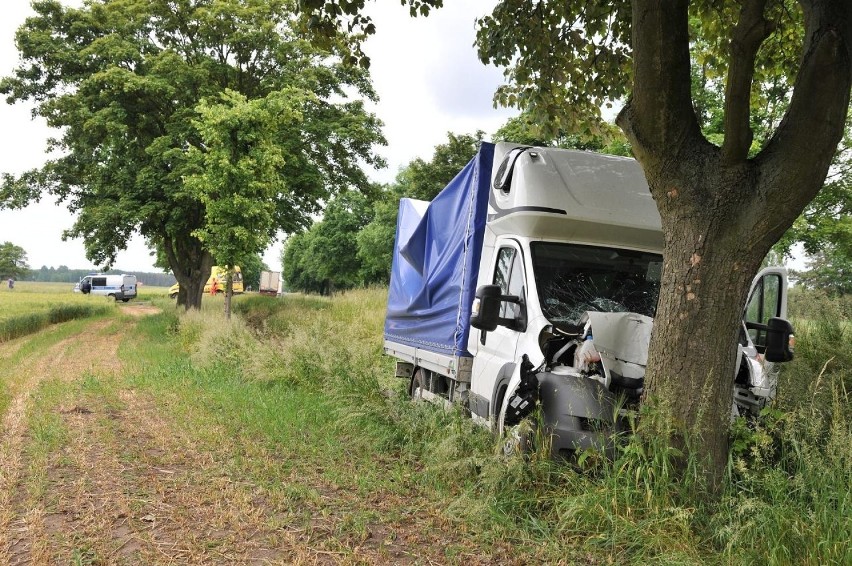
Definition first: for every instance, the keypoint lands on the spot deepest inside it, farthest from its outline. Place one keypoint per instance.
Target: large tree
(123, 82)
(13, 261)
(237, 176)
(722, 206)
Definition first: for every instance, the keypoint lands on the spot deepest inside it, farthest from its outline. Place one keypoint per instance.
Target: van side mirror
(485, 313)
(779, 336)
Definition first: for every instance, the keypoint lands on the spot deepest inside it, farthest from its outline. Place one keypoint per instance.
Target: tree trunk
(229, 292)
(721, 210)
(711, 257)
(191, 265)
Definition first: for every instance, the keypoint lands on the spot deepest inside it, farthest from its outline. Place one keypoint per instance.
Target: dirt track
(111, 480)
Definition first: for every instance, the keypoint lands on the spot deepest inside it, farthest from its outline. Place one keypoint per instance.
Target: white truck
(119, 287)
(270, 283)
(534, 276)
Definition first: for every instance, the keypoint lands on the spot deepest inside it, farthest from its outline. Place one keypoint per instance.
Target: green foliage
(564, 60)
(237, 167)
(325, 258)
(140, 88)
(423, 179)
(353, 244)
(828, 270)
(524, 130)
(13, 261)
(825, 228)
(251, 268)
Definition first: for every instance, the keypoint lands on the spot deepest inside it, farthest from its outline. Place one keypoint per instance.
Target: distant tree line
(63, 274)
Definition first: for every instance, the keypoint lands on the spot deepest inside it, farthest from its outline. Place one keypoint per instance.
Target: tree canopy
(13, 261)
(131, 86)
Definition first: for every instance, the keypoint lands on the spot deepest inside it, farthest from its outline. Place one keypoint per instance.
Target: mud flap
(523, 400)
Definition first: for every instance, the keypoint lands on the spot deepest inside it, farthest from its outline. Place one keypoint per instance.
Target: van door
(494, 360)
(767, 299)
(755, 382)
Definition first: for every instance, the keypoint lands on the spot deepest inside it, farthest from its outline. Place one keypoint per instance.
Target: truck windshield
(573, 279)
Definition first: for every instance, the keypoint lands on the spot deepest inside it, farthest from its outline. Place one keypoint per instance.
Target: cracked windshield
(573, 279)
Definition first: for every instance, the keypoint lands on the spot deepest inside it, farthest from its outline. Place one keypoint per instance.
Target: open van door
(766, 338)
(767, 300)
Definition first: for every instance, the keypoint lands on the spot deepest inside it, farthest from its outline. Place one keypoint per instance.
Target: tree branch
(659, 115)
(751, 31)
(795, 162)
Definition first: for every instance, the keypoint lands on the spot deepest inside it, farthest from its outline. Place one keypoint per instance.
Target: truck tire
(418, 384)
(517, 440)
(125, 300)
(173, 296)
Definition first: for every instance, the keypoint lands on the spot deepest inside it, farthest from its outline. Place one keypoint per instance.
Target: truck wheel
(111, 296)
(516, 440)
(173, 296)
(418, 384)
(124, 300)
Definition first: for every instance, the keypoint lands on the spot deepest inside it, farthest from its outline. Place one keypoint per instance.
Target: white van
(120, 287)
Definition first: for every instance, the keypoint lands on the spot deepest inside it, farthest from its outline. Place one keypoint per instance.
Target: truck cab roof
(569, 195)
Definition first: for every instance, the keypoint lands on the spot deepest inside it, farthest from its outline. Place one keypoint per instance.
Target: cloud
(429, 80)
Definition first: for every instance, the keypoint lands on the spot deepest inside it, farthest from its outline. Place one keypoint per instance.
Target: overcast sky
(425, 71)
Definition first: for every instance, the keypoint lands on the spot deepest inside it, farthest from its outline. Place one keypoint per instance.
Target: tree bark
(229, 292)
(191, 265)
(721, 212)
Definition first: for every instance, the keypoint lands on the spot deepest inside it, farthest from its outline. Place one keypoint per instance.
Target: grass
(786, 498)
(295, 396)
(30, 307)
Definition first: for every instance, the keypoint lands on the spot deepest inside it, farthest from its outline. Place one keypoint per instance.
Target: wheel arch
(498, 393)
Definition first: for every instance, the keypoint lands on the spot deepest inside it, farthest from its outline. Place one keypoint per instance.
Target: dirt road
(93, 472)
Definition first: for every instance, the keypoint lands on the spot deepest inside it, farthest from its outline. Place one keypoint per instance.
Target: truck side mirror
(779, 333)
(485, 314)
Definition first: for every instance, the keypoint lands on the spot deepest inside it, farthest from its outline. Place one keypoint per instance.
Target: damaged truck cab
(534, 277)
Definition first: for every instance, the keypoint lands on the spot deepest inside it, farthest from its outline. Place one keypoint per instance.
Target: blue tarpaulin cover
(436, 262)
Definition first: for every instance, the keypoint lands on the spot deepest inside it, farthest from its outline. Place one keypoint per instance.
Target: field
(29, 297)
(144, 435)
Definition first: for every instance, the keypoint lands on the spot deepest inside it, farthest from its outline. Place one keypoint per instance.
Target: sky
(425, 71)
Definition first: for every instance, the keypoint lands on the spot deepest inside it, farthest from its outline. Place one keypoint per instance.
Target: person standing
(11, 283)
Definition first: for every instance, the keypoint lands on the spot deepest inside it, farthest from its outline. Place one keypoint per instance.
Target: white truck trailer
(270, 283)
(534, 276)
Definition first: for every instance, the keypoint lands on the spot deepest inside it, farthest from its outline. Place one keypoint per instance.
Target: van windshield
(573, 279)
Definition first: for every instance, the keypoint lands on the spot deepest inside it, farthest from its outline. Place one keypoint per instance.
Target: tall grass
(312, 369)
(791, 471)
(25, 324)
